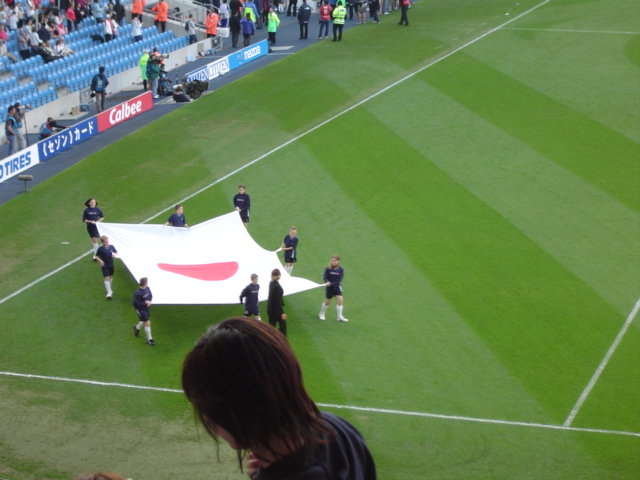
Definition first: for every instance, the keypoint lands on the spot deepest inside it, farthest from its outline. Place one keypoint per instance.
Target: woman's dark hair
(86, 204)
(243, 376)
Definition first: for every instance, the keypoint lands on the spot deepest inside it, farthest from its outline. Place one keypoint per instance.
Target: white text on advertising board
(218, 68)
(15, 164)
(124, 112)
(251, 52)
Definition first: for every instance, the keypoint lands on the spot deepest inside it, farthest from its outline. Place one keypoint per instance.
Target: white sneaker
(342, 319)
(321, 316)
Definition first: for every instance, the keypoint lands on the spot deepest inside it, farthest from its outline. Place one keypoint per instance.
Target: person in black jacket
(246, 387)
(275, 303)
(304, 14)
(234, 28)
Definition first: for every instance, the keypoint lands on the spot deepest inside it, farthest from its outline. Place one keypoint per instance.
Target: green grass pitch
(486, 208)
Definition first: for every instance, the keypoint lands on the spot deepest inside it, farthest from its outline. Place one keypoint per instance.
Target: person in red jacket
(211, 23)
(136, 8)
(325, 18)
(162, 12)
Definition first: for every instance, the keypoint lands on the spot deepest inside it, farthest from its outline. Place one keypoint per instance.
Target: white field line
(596, 376)
(568, 30)
(456, 418)
(295, 139)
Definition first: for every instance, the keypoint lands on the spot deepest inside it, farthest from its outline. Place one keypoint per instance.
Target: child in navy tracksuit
(249, 296)
(248, 29)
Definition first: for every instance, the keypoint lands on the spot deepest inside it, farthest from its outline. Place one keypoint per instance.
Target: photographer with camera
(19, 117)
(153, 73)
(49, 127)
(10, 130)
(99, 88)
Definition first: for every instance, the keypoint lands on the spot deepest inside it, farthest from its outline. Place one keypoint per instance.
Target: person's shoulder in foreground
(345, 457)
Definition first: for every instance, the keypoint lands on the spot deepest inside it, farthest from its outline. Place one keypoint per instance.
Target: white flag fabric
(208, 263)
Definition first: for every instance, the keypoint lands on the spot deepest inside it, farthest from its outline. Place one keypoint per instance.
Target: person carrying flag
(249, 296)
(332, 277)
(141, 303)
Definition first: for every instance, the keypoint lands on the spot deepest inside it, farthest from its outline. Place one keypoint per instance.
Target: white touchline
(294, 139)
(387, 411)
(567, 30)
(596, 376)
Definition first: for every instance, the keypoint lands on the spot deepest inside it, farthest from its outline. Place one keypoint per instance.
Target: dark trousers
(337, 29)
(403, 17)
(275, 319)
(304, 29)
(272, 38)
(234, 39)
(292, 8)
(247, 39)
(100, 101)
(324, 25)
(162, 26)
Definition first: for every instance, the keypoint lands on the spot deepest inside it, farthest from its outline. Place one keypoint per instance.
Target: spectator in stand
(59, 22)
(225, 13)
(34, 39)
(44, 32)
(190, 27)
(6, 53)
(70, 15)
(49, 127)
(248, 28)
(108, 10)
(234, 28)
(212, 23)
(10, 130)
(80, 11)
(23, 40)
(97, 11)
(136, 29)
(60, 49)
(162, 10)
(304, 14)
(110, 28)
(325, 17)
(118, 13)
(45, 52)
(3, 33)
(144, 59)
(136, 9)
(30, 9)
(12, 21)
(99, 88)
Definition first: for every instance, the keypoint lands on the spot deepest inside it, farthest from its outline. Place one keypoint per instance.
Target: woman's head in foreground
(245, 385)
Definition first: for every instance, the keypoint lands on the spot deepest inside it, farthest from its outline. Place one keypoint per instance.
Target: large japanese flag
(208, 263)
